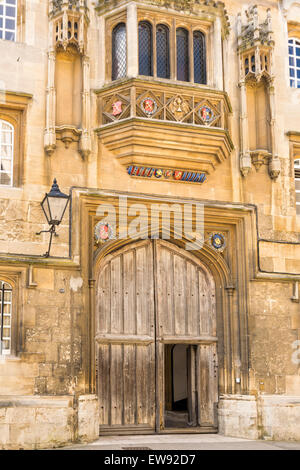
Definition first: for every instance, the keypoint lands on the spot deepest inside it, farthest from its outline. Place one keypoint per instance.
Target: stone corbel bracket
(68, 134)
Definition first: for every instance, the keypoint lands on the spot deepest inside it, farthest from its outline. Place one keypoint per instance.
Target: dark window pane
(291, 61)
(11, 2)
(199, 58)
(292, 83)
(145, 48)
(298, 84)
(291, 50)
(1, 9)
(0, 34)
(162, 51)
(298, 62)
(182, 45)
(1, 22)
(292, 72)
(298, 51)
(119, 53)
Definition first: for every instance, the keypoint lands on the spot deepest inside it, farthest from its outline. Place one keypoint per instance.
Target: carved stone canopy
(57, 5)
(253, 32)
(195, 7)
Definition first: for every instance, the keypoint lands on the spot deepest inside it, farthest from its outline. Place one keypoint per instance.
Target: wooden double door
(152, 295)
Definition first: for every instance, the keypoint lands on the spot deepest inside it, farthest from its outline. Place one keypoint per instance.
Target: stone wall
(36, 422)
(269, 417)
(273, 330)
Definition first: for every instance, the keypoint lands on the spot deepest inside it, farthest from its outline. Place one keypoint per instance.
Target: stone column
(218, 59)
(132, 41)
(274, 164)
(245, 158)
(85, 141)
(101, 56)
(50, 136)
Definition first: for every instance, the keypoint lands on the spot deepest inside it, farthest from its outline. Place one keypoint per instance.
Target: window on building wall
(162, 51)
(8, 19)
(6, 153)
(294, 62)
(145, 49)
(119, 52)
(199, 57)
(297, 185)
(182, 54)
(159, 46)
(5, 318)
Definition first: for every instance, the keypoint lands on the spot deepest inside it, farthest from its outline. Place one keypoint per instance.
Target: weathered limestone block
(280, 417)
(35, 422)
(238, 416)
(88, 418)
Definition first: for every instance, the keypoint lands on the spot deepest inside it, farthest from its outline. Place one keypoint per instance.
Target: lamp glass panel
(57, 207)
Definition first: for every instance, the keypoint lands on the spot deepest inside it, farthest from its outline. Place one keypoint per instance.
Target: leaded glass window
(182, 49)
(162, 51)
(6, 153)
(145, 49)
(5, 317)
(199, 57)
(297, 185)
(294, 62)
(119, 52)
(8, 19)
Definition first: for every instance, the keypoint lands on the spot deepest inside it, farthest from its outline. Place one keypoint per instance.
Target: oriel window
(182, 54)
(145, 49)
(119, 52)
(162, 51)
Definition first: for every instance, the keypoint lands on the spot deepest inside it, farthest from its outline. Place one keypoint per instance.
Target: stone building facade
(135, 108)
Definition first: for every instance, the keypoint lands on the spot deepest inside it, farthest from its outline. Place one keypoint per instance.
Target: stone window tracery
(165, 49)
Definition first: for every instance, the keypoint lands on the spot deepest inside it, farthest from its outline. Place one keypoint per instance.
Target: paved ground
(183, 442)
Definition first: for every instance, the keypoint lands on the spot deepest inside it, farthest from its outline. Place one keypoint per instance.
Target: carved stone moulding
(257, 158)
(68, 135)
(191, 7)
(155, 144)
(70, 21)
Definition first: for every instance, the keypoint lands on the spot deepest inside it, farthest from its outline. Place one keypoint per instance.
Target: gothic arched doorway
(151, 296)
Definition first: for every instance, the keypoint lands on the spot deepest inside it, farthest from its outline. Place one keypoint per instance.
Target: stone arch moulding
(230, 326)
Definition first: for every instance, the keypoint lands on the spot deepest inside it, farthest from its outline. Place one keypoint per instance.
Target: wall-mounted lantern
(54, 206)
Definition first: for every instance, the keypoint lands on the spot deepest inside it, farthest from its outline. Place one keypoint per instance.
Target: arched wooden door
(149, 295)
